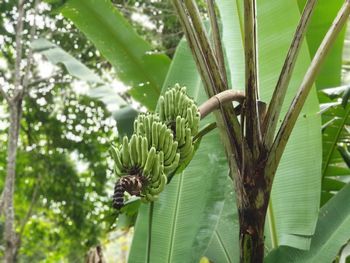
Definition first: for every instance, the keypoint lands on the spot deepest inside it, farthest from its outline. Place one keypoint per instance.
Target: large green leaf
(123, 113)
(335, 118)
(58, 56)
(335, 134)
(223, 246)
(189, 208)
(323, 16)
(296, 189)
(114, 37)
(332, 231)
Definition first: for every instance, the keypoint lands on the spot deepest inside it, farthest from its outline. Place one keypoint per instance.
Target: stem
(280, 91)
(253, 133)
(227, 120)
(219, 99)
(217, 40)
(149, 240)
(305, 87)
(15, 107)
(219, 84)
(208, 128)
(195, 46)
(272, 226)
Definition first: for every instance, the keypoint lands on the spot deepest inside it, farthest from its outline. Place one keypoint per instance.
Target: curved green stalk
(272, 225)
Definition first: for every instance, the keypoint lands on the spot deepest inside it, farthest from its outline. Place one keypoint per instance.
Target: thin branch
(280, 91)
(19, 31)
(216, 101)
(31, 207)
(218, 49)
(4, 94)
(305, 87)
(2, 202)
(253, 133)
(30, 52)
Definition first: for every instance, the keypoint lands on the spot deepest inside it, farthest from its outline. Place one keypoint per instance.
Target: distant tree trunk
(14, 101)
(15, 108)
(95, 255)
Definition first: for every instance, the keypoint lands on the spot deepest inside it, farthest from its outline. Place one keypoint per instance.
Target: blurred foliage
(63, 183)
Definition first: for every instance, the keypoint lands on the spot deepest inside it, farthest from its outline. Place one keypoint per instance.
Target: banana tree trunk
(252, 201)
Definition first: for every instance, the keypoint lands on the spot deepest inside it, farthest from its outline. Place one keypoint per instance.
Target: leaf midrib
(174, 224)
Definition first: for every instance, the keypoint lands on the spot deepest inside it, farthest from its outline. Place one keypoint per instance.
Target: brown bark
(253, 199)
(9, 231)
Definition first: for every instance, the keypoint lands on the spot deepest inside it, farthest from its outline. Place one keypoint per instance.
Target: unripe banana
(186, 158)
(151, 198)
(133, 150)
(139, 150)
(173, 166)
(168, 145)
(178, 128)
(144, 150)
(154, 135)
(188, 141)
(150, 160)
(169, 159)
(183, 130)
(157, 190)
(125, 152)
(162, 132)
(171, 102)
(161, 108)
(114, 152)
(156, 170)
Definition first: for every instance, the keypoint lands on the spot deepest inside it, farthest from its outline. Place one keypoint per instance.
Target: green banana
(144, 151)
(125, 152)
(173, 166)
(150, 160)
(133, 150)
(160, 187)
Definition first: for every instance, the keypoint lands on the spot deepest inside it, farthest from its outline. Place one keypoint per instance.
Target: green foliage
(131, 56)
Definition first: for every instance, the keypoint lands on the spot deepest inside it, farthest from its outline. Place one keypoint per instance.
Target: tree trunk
(15, 108)
(252, 199)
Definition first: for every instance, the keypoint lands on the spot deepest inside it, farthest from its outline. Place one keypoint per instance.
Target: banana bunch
(141, 165)
(181, 114)
(160, 137)
(174, 103)
(160, 144)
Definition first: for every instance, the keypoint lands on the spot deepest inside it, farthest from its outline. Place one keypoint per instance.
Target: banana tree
(186, 220)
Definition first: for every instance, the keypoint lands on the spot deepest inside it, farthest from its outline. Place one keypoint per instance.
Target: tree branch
(280, 91)
(19, 31)
(30, 51)
(253, 133)
(4, 94)
(305, 87)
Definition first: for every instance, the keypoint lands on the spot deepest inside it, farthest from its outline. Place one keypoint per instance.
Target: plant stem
(226, 118)
(253, 134)
(280, 91)
(149, 238)
(219, 99)
(305, 87)
(217, 40)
